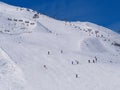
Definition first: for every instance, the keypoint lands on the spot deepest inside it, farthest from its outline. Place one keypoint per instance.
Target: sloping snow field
(40, 53)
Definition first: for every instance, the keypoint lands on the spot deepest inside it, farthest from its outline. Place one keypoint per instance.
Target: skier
(61, 51)
(88, 61)
(77, 76)
(45, 66)
(77, 62)
(110, 61)
(93, 61)
(95, 58)
(72, 62)
(48, 52)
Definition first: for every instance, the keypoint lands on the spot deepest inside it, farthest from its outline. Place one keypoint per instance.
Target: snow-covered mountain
(40, 53)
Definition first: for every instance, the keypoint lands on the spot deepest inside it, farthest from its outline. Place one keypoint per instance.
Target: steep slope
(48, 54)
(11, 77)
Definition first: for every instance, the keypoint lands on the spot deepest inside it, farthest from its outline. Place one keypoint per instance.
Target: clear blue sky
(102, 12)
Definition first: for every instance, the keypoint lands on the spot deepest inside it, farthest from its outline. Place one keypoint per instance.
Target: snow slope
(41, 53)
(10, 74)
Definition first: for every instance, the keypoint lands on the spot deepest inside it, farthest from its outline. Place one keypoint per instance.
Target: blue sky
(101, 12)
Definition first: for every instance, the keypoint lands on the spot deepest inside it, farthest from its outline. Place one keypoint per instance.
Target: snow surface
(42, 53)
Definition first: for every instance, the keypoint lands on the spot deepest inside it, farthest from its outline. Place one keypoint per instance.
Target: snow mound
(91, 45)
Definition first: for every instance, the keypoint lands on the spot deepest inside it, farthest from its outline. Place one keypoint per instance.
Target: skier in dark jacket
(88, 61)
(48, 52)
(45, 66)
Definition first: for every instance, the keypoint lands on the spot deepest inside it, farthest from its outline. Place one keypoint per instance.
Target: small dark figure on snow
(88, 61)
(110, 61)
(95, 58)
(77, 76)
(45, 66)
(72, 62)
(93, 61)
(48, 52)
(77, 62)
(61, 51)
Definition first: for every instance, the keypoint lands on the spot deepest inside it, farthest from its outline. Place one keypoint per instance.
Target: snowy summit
(40, 53)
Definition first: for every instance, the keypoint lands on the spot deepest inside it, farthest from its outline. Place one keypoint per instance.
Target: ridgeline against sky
(102, 12)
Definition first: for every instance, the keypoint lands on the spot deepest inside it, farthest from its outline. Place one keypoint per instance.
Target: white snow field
(40, 53)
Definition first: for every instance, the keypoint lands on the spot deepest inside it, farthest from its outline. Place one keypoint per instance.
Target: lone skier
(88, 61)
(45, 66)
(77, 76)
(48, 52)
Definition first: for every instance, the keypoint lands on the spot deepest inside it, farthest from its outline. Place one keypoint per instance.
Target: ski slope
(40, 53)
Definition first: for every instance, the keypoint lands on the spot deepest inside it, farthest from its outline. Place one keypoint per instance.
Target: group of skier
(75, 62)
(89, 61)
(94, 60)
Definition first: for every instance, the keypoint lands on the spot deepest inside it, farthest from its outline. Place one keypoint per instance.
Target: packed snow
(40, 53)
